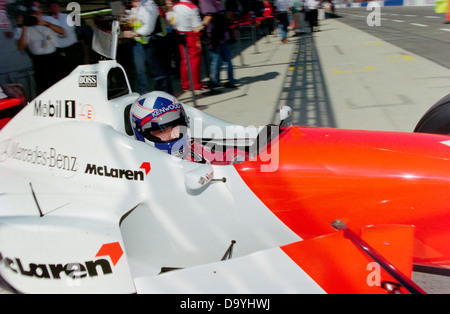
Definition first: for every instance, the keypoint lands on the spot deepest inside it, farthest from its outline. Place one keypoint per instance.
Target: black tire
(437, 119)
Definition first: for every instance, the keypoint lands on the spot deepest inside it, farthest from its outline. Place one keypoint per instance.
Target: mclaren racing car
(85, 207)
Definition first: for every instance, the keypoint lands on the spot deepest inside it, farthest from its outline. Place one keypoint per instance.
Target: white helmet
(159, 119)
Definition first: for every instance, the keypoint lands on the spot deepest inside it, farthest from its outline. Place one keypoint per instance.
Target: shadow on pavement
(304, 88)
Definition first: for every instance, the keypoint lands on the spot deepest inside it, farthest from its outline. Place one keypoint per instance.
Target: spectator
(268, 8)
(217, 34)
(189, 24)
(283, 8)
(298, 13)
(149, 45)
(269, 15)
(39, 38)
(172, 41)
(312, 14)
(69, 47)
(85, 35)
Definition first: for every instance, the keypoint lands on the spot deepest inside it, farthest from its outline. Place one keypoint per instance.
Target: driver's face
(171, 133)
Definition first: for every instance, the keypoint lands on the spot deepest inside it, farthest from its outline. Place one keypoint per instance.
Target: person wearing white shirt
(187, 20)
(283, 8)
(187, 17)
(143, 16)
(312, 14)
(149, 46)
(41, 42)
(68, 44)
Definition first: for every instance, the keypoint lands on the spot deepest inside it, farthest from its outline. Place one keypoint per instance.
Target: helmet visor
(165, 128)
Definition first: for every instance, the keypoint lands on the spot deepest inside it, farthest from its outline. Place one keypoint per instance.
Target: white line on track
(417, 24)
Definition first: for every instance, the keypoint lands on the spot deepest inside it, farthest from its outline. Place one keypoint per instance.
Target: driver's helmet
(158, 119)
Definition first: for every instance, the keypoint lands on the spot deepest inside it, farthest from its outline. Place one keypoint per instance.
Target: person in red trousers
(186, 19)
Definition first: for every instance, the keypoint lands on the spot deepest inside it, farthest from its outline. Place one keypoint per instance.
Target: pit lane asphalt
(415, 28)
(340, 77)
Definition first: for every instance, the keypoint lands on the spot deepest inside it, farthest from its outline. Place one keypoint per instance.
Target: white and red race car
(84, 207)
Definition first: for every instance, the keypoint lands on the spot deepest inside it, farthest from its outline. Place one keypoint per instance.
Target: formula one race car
(84, 207)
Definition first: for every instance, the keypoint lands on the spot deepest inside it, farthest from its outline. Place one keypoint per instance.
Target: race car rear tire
(437, 119)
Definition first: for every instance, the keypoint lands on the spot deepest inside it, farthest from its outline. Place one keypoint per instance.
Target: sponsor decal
(90, 72)
(206, 179)
(87, 113)
(55, 109)
(64, 109)
(119, 173)
(47, 157)
(56, 271)
(87, 81)
(157, 112)
(164, 107)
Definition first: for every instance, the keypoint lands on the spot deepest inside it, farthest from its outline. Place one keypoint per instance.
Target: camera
(25, 15)
(29, 20)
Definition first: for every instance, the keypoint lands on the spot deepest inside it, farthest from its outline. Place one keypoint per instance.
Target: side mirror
(199, 177)
(285, 112)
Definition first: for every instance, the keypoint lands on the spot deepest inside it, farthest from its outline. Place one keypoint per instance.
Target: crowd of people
(191, 34)
(50, 41)
(193, 26)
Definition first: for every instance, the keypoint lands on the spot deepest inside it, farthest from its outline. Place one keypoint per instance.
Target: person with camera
(39, 38)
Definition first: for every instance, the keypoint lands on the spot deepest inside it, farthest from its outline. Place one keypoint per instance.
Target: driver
(159, 119)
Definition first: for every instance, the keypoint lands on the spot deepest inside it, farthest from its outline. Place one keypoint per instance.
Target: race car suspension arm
(407, 283)
(36, 201)
(229, 252)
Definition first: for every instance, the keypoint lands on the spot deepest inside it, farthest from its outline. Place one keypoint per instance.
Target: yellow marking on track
(374, 43)
(366, 69)
(300, 68)
(401, 58)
